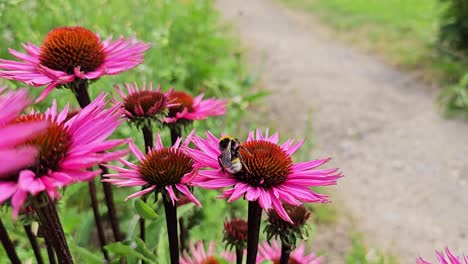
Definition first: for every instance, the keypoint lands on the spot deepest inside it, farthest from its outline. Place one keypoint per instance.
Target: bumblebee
(230, 159)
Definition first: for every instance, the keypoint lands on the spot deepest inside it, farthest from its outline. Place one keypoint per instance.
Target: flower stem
(182, 235)
(239, 255)
(285, 251)
(253, 230)
(175, 133)
(80, 89)
(109, 197)
(50, 251)
(34, 244)
(171, 222)
(8, 245)
(148, 138)
(97, 218)
(50, 223)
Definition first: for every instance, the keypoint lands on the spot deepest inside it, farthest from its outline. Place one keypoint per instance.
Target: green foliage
(453, 32)
(144, 210)
(454, 99)
(360, 254)
(190, 51)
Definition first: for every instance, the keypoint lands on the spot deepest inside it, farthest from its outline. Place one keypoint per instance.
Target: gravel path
(405, 166)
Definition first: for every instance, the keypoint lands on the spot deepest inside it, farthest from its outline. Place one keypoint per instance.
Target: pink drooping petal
(279, 209)
(140, 193)
(7, 189)
(17, 201)
(28, 182)
(171, 193)
(185, 190)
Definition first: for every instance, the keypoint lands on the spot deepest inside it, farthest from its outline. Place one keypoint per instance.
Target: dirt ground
(406, 169)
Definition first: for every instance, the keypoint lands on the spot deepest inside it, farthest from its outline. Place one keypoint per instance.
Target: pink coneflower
(271, 175)
(200, 256)
(67, 149)
(162, 169)
(298, 256)
(186, 108)
(71, 53)
(144, 105)
(12, 156)
(450, 259)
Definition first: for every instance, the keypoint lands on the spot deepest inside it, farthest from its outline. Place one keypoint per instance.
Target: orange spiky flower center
(182, 100)
(53, 144)
(210, 260)
(66, 48)
(165, 167)
(268, 165)
(145, 103)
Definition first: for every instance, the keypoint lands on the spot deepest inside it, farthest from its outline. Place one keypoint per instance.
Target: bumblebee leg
(243, 164)
(221, 165)
(246, 150)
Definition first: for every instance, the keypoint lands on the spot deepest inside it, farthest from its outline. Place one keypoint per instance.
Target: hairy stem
(97, 218)
(80, 89)
(254, 217)
(239, 255)
(148, 138)
(50, 250)
(50, 222)
(285, 251)
(171, 222)
(182, 235)
(112, 212)
(33, 241)
(175, 133)
(8, 245)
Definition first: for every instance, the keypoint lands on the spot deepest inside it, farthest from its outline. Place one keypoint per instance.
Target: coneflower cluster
(41, 153)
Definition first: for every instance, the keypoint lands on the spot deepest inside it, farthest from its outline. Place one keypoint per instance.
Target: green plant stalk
(50, 222)
(285, 251)
(80, 89)
(8, 245)
(253, 230)
(171, 222)
(34, 244)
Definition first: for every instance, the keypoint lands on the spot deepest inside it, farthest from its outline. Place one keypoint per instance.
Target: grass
(361, 254)
(404, 32)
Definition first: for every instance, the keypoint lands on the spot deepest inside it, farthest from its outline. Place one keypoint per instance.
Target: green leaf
(122, 250)
(141, 248)
(144, 210)
(85, 255)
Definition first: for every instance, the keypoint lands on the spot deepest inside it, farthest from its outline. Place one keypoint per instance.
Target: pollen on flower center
(53, 144)
(66, 48)
(210, 260)
(268, 165)
(145, 103)
(165, 167)
(182, 100)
